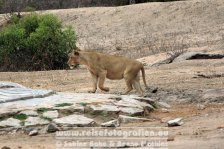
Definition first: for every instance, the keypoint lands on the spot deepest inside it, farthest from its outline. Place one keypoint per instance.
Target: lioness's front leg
(95, 81)
(102, 76)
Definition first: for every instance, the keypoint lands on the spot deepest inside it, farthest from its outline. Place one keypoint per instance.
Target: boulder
(33, 121)
(51, 114)
(70, 109)
(104, 108)
(130, 102)
(33, 133)
(52, 128)
(163, 104)
(175, 122)
(197, 55)
(10, 122)
(131, 111)
(129, 119)
(29, 113)
(213, 95)
(113, 123)
(186, 56)
(74, 120)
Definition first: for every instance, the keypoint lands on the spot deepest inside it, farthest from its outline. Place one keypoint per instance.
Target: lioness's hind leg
(128, 82)
(137, 86)
(102, 77)
(129, 87)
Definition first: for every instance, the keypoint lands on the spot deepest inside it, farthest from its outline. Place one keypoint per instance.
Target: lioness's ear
(76, 53)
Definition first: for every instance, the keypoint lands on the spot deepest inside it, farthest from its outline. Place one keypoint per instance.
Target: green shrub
(35, 42)
(21, 116)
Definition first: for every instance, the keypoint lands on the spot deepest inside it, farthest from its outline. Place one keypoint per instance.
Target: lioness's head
(73, 59)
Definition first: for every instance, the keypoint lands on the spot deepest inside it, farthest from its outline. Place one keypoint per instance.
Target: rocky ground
(193, 90)
(189, 87)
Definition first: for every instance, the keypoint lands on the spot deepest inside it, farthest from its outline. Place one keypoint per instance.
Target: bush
(35, 42)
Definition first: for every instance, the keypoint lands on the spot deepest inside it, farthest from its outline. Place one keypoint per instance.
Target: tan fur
(102, 66)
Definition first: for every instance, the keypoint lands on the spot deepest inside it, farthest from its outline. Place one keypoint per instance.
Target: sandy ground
(203, 128)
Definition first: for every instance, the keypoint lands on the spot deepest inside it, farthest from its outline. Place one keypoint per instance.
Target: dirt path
(202, 129)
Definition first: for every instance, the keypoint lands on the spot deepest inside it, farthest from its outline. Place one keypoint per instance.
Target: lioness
(103, 66)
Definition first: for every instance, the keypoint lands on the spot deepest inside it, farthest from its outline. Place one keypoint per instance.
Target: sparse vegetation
(20, 116)
(15, 5)
(42, 110)
(83, 104)
(63, 104)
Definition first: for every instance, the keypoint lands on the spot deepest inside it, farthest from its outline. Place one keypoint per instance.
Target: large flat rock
(64, 103)
(213, 95)
(34, 121)
(10, 122)
(74, 120)
(12, 92)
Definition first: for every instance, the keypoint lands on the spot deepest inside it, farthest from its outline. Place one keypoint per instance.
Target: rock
(28, 130)
(163, 104)
(33, 121)
(74, 120)
(133, 103)
(197, 55)
(33, 133)
(186, 56)
(200, 107)
(128, 119)
(175, 122)
(214, 95)
(131, 111)
(10, 122)
(165, 110)
(70, 109)
(17, 92)
(51, 114)
(29, 113)
(52, 128)
(150, 101)
(104, 108)
(113, 123)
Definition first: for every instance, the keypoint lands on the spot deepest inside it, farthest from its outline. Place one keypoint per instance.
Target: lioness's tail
(143, 76)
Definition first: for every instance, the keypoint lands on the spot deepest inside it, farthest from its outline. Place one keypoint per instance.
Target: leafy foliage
(35, 42)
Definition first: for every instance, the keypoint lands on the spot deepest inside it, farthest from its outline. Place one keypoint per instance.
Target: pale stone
(106, 108)
(51, 114)
(175, 122)
(10, 122)
(29, 113)
(131, 111)
(163, 104)
(113, 123)
(33, 121)
(129, 119)
(74, 120)
(33, 133)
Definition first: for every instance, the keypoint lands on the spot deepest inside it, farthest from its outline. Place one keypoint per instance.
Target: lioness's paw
(106, 89)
